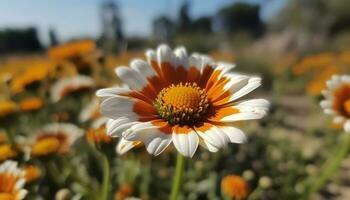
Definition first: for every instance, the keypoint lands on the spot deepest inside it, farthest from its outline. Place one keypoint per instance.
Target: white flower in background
(182, 99)
(66, 86)
(337, 100)
(12, 180)
(55, 138)
(90, 111)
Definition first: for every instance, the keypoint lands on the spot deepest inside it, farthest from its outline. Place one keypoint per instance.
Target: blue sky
(74, 18)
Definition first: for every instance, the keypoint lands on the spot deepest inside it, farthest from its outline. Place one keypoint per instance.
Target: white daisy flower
(55, 138)
(337, 100)
(12, 180)
(187, 100)
(66, 86)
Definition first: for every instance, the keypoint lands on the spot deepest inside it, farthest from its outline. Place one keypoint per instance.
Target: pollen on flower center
(182, 104)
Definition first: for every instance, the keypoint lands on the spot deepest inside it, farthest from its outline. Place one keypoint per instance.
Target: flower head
(32, 173)
(337, 100)
(7, 107)
(11, 181)
(70, 85)
(56, 138)
(234, 187)
(30, 104)
(97, 133)
(7, 152)
(180, 99)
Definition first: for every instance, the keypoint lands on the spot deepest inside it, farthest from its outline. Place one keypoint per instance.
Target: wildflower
(56, 138)
(337, 100)
(7, 152)
(90, 112)
(71, 49)
(11, 181)
(97, 134)
(32, 173)
(70, 85)
(7, 107)
(30, 104)
(187, 100)
(234, 187)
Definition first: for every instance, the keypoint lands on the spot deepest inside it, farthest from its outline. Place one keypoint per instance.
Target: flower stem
(180, 163)
(106, 175)
(331, 166)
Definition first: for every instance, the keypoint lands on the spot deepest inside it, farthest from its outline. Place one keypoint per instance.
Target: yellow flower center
(6, 196)
(46, 146)
(6, 152)
(347, 106)
(182, 104)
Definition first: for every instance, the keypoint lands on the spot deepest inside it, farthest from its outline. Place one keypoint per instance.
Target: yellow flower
(71, 49)
(7, 107)
(32, 173)
(56, 138)
(30, 104)
(314, 62)
(234, 187)
(11, 181)
(7, 152)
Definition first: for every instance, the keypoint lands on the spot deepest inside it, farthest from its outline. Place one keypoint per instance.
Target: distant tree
(240, 17)
(163, 29)
(53, 37)
(184, 21)
(19, 40)
(202, 24)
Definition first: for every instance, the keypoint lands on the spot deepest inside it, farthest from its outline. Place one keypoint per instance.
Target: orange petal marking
(223, 112)
(163, 126)
(182, 129)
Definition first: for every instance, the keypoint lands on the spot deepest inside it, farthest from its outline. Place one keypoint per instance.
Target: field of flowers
(59, 140)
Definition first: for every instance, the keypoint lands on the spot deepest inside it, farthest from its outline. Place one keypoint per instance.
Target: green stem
(180, 163)
(330, 167)
(106, 175)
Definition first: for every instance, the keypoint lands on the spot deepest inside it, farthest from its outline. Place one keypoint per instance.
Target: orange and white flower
(55, 138)
(180, 99)
(337, 100)
(66, 86)
(11, 181)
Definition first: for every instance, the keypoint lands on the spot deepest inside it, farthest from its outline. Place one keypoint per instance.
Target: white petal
(248, 110)
(155, 140)
(224, 67)
(115, 128)
(326, 104)
(347, 126)
(164, 54)
(111, 92)
(253, 83)
(214, 136)
(125, 145)
(186, 143)
(235, 135)
(131, 77)
(120, 106)
(208, 146)
(143, 68)
(181, 57)
(338, 120)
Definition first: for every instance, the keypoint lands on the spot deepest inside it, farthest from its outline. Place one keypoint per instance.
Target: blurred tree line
(19, 40)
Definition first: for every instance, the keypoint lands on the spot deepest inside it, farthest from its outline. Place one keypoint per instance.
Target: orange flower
(55, 139)
(337, 100)
(32, 173)
(11, 181)
(180, 99)
(234, 187)
(97, 134)
(30, 104)
(7, 152)
(123, 192)
(7, 107)
(71, 49)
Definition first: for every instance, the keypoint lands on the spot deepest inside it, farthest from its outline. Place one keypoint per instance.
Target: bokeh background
(295, 45)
